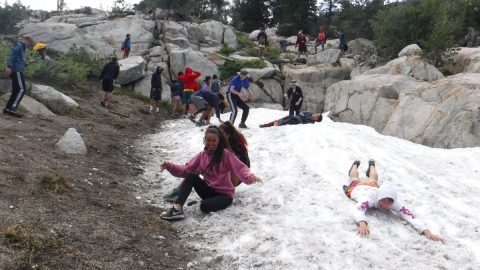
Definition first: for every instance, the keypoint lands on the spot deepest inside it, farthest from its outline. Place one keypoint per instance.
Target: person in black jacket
(205, 101)
(262, 41)
(295, 95)
(301, 118)
(156, 90)
(109, 73)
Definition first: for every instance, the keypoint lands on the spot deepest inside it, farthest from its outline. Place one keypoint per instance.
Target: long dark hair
(237, 141)
(222, 145)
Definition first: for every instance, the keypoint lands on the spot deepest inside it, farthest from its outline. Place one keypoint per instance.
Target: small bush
(22, 237)
(226, 51)
(230, 68)
(243, 40)
(57, 183)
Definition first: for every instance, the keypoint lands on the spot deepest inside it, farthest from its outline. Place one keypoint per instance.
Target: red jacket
(189, 79)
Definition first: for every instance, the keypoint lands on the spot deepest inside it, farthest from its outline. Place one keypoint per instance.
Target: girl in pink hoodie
(216, 164)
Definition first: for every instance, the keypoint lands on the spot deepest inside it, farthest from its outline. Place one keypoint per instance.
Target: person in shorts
(109, 73)
(156, 90)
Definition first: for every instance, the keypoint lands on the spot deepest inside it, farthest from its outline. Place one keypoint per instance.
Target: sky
(299, 217)
(50, 5)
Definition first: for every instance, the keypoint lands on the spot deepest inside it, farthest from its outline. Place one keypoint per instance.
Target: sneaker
(263, 126)
(192, 118)
(371, 162)
(173, 214)
(13, 112)
(242, 125)
(200, 123)
(172, 196)
(356, 162)
(102, 103)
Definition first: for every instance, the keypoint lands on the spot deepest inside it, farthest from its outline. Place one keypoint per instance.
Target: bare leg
(373, 173)
(353, 174)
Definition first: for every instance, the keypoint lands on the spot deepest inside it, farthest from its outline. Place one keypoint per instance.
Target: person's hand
(164, 166)
(363, 228)
(432, 236)
(7, 72)
(256, 179)
(297, 103)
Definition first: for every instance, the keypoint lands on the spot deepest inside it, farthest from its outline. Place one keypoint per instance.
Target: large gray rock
(329, 56)
(78, 19)
(72, 143)
(144, 86)
(442, 114)
(414, 66)
(360, 46)
(260, 73)
(218, 32)
(131, 69)
(273, 89)
(466, 60)
(259, 94)
(5, 86)
(29, 106)
(179, 59)
(103, 38)
(56, 101)
(412, 49)
(314, 82)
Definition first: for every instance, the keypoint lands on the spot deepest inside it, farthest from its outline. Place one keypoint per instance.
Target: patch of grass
(271, 53)
(132, 94)
(226, 51)
(56, 182)
(23, 237)
(118, 123)
(243, 40)
(230, 68)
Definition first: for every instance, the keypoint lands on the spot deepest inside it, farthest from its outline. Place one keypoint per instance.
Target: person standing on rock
(343, 42)
(126, 46)
(15, 67)
(295, 95)
(235, 99)
(262, 42)
(321, 39)
(109, 74)
(156, 90)
(301, 43)
(190, 85)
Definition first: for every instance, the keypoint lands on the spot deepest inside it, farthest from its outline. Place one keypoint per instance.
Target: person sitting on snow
(301, 118)
(368, 194)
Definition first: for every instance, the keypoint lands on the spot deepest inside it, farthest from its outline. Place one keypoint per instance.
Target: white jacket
(368, 197)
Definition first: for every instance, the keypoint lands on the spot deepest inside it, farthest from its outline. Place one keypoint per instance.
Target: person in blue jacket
(206, 101)
(126, 46)
(15, 67)
(235, 99)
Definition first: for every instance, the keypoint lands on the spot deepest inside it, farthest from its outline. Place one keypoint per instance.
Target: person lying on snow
(368, 194)
(301, 118)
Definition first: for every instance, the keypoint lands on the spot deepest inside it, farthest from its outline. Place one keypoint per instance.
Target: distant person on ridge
(321, 39)
(262, 42)
(368, 194)
(126, 46)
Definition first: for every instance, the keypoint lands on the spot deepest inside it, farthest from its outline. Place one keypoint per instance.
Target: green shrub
(226, 51)
(230, 68)
(243, 40)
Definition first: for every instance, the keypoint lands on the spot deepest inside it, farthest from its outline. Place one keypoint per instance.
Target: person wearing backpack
(343, 42)
(321, 39)
(176, 89)
(215, 87)
(262, 42)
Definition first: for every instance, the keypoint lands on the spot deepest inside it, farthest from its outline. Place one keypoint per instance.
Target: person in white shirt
(368, 194)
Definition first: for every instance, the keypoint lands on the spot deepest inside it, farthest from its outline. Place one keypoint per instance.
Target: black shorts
(155, 94)
(107, 84)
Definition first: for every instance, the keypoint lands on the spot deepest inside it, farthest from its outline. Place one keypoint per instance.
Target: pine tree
(296, 14)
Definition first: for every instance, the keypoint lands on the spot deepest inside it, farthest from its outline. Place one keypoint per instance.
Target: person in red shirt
(321, 39)
(190, 85)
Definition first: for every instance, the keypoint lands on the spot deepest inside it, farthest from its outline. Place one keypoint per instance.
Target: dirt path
(79, 212)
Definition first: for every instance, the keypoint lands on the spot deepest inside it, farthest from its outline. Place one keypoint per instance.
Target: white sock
(158, 109)
(151, 108)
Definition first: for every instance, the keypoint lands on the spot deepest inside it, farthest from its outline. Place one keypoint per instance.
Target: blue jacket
(211, 98)
(176, 88)
(17, 60)
(127, 43)
(238, 84)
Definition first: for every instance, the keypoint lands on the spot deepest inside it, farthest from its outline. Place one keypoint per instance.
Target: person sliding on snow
(301, 118)
(368, 194)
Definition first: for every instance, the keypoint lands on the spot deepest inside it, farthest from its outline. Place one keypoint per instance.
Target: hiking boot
(102, 103)
(172, 196)
(356, 162)
(263, 126)
(200, 123)
(173, 214)
(13, 112)
(191, 117)
(371, 162)
(242, 125)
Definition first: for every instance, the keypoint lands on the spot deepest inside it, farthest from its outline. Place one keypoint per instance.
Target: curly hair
(222, 145)
(237, 141)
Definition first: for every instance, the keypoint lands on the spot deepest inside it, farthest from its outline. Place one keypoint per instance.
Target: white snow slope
(301, 219)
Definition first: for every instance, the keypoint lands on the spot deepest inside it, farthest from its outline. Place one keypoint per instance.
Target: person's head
(215, 77)
(159, 69)
(114, 59)
(317, 117)
(208, 79)
(293, 83)
(128, 36)
(386, 196)
(237, 141)
(188, 70)
(179, 73)
(243, 74)
(28, 40)
(215, 143)
(263, 28)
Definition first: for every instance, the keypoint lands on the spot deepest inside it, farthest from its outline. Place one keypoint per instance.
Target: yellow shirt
(39, 46)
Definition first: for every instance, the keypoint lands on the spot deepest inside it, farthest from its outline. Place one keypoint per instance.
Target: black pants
(235, 101)
(18, 90)
(211, 200)
(295, 108)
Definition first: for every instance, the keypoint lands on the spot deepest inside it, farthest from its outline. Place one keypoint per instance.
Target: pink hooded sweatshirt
(216, 178)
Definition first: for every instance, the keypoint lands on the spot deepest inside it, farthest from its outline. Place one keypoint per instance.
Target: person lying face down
(301, 118)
